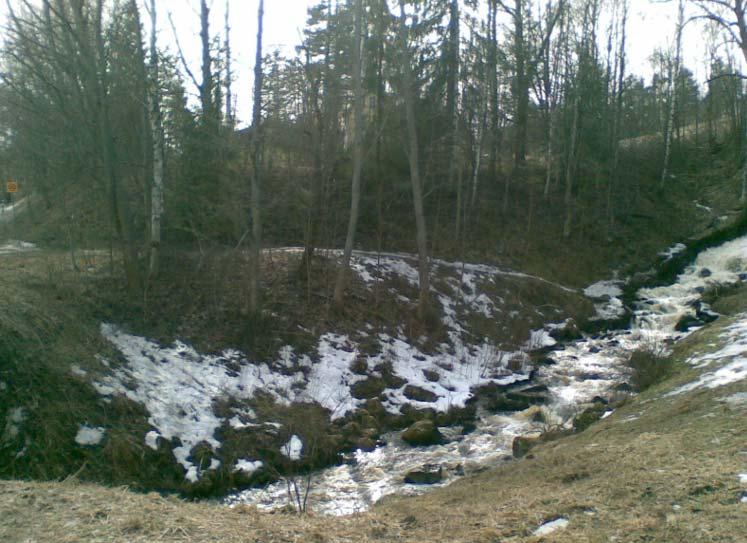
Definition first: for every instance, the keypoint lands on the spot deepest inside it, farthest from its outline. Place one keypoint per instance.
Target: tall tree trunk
(156, 121)
(617, 121)
(673, 78)
(570, 169)
(256, 180)
(229, 72)
(206, 86)
(357, 157)
(452, 90)
(521, 86)
(412, 137)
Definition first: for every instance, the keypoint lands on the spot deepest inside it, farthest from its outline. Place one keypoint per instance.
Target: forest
(435, 264)
(463, 122)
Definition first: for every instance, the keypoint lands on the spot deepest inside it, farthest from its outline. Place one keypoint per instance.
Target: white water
(583, 369)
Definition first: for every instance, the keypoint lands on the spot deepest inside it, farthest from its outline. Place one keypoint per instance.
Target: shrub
(650, 367)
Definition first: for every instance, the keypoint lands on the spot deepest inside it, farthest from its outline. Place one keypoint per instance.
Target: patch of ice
(292, 450)
(151, 439)
(89, 435)
(552, 526)
(248, 466)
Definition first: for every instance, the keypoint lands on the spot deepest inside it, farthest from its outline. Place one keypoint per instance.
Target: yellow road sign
(11, 187)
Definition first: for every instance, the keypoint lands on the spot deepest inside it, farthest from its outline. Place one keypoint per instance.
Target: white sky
(651, 25)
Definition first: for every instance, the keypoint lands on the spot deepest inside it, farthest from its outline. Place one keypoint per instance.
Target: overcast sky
(652, 25)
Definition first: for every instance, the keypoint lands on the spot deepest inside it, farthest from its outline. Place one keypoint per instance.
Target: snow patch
(550, 527)
(672, 251)
(151, 439)
(248, 466)
(89, 435)
(606, 293)
(292, 450)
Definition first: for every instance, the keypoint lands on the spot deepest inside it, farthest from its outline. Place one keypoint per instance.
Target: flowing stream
(581, 370)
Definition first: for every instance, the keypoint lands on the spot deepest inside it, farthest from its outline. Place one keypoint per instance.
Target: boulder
(502, 402)
(369, 388)
(687, 322)
(704, 314)
(568, 332)
(428, 474)
(705, 272)
(533, 398)
(419, 394)
(431, 375)
(622, 387)
(423, 432)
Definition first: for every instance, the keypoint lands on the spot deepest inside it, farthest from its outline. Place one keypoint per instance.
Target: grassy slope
(658, 469)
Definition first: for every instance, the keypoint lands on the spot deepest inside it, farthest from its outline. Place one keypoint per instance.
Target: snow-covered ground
(178, 386)
(582, 370)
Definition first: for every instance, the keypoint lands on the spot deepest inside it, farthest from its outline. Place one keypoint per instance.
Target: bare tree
(256, 177)
(357, 156)
(674, 71)
(156, 121)
(408, 88)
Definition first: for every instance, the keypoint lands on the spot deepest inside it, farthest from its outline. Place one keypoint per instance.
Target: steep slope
(668, 465)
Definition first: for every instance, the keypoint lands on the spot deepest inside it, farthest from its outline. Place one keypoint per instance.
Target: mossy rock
(370, 388)
(429, 474)
(424, 432)
(420, 394)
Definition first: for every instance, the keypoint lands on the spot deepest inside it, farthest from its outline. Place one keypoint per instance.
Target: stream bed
(574, 374)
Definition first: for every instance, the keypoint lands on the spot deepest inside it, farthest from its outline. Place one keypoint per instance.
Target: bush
(650, 367)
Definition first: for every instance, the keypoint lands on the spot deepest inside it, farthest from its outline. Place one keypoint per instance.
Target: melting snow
(550, 527)
(735, 337)
(292, 449)
(248, 466)
(609, 306)
(89, 435)
(672, 251)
